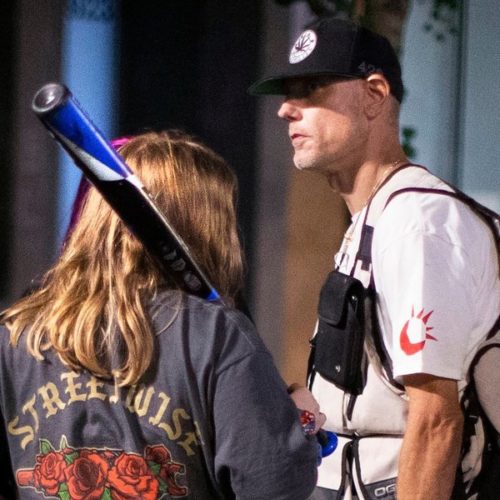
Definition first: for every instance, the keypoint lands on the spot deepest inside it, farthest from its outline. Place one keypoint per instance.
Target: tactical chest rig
(348, 344)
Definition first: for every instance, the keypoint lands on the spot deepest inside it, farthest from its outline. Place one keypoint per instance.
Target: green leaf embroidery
(45, 446)
(71, 457)
(63, 492)
(155, 468)
(106, 495)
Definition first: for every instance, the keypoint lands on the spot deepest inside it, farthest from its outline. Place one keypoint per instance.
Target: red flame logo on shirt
(417, 327)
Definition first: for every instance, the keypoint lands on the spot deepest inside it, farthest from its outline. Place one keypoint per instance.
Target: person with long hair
(116, 384)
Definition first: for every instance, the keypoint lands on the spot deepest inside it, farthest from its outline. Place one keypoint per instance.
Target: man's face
(327, 126)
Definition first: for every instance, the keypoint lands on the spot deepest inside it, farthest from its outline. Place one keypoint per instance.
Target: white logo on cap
(303, 47)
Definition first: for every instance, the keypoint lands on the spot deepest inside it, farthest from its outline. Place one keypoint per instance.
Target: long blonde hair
(100, 286)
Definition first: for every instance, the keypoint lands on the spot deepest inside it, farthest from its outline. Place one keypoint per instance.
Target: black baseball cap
(337, 47)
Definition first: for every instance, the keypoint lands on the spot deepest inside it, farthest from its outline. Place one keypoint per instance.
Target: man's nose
(288, 111)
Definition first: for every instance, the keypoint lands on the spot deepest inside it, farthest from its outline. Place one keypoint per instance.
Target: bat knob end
(49, 97)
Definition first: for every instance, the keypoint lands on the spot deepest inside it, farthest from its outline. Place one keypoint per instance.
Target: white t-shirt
(435, 270)
(437, 283)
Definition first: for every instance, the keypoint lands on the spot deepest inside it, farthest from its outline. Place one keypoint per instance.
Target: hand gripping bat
(69, 125)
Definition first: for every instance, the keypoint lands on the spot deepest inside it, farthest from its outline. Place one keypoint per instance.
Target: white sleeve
(426, 287)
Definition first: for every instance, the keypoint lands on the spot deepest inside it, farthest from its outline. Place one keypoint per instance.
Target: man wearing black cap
(425, 258)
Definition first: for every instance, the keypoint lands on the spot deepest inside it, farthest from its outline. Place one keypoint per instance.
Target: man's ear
(377, 92)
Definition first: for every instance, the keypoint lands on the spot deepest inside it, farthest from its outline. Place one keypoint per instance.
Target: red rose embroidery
(49, 472)
(131, 477)
(86, 476)
(93, 474)
(158, 454)
(168, 469)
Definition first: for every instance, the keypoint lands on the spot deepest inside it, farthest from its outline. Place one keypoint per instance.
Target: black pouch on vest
(337, 348)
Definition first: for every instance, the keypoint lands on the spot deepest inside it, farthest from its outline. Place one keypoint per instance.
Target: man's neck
(359, 183)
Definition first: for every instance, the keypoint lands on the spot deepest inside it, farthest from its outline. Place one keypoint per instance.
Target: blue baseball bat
(61, 114)
(93, 154)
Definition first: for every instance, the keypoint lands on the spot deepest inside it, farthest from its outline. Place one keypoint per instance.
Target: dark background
(180, 63)
(191, 71)
(6, 110)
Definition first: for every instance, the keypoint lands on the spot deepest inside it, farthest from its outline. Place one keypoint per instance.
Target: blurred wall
(89, 69)
(452, 99)
(300, 221)
(36, 44)
(480, 107)
(187, 64)
(7, 12)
